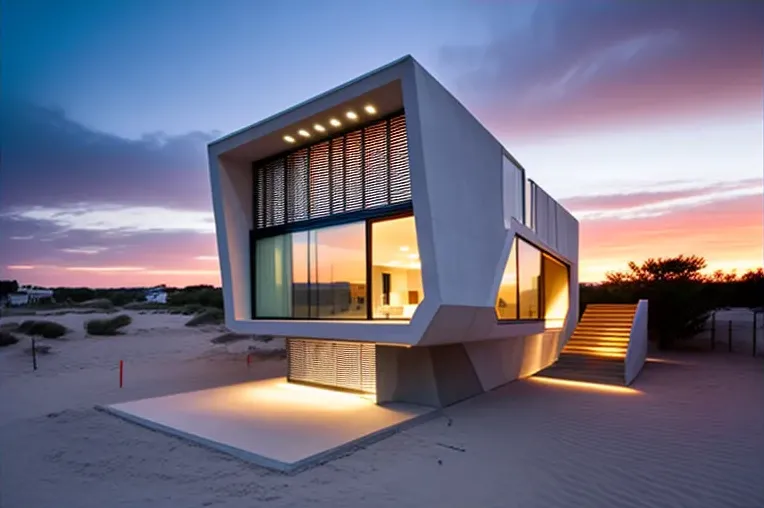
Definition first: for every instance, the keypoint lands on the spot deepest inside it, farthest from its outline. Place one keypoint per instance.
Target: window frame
(541, 301)
(388, 213)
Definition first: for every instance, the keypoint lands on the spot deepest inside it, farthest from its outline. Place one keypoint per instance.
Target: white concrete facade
(467, 212)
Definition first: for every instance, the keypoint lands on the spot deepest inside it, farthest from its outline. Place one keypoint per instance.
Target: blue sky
(644, 118)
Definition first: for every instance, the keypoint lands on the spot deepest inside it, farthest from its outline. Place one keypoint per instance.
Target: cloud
(568, 65)
(68, 193)
(728, 233)
(660, 202)
(50, 160)
(115, 219)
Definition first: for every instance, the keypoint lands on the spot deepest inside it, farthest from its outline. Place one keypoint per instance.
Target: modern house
(397, 245)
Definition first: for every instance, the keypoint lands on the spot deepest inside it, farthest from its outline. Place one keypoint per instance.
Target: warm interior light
(585, 386)
(289, 139)
(413, 256)
(303, 133)
(334, 122)
(370, 109)
(319, 127)
(404, 248)
(352, 115)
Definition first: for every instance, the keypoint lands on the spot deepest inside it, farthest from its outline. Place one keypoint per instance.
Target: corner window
(533, 286)
(396, 272)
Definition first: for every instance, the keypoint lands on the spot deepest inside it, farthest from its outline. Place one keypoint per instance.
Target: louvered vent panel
(337, 174)
(345, 365)
(368, 368)
(375, 165)
(320, 200)
(278, 197)
(353, 172)
(366, 168)
(400, 175)
(297, 186)
(268, 171)
(260, 201)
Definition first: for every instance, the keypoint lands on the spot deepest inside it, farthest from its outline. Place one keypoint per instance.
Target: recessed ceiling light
(319, 127)
(303, 133)
(404, 248)
(413, 256)
(289, 139)
(335, 122)
(370, 109)
(352, 115)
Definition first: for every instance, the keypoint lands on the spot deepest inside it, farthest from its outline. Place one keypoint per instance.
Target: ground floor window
(367, 269)
(534, 285)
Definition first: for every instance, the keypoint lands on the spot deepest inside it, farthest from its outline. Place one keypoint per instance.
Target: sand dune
(693, 437)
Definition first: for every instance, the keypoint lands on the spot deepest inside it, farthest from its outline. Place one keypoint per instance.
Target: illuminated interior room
(396, 244)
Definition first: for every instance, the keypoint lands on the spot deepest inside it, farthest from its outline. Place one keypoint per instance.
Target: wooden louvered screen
(363, 169)
(345, 365)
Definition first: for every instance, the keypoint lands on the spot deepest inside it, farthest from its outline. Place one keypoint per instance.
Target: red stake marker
(248, 359)
(120, 373)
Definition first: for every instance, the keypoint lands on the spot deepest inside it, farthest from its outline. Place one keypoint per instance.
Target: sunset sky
(643, 118)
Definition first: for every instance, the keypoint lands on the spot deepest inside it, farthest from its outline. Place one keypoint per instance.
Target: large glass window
(506, 303)
(396, 271)
(514, 189)
(322, 273)
(528, 280)
(521, 288)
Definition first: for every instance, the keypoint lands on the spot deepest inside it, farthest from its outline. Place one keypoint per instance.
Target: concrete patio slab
(273, 423)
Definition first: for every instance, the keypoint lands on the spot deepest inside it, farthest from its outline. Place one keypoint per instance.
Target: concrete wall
(443, 375)
(637, 350)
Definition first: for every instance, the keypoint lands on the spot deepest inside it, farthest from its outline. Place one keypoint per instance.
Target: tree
(677, 290)
(8, 286)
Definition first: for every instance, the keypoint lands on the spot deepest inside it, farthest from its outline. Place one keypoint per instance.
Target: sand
(693, 436)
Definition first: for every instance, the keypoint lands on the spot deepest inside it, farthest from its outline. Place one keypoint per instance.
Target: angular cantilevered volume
(381, 217)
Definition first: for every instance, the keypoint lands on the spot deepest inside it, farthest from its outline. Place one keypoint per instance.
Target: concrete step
(616, 325)
(597, 343)
(582, 361)
(587, 332)
(613, 352)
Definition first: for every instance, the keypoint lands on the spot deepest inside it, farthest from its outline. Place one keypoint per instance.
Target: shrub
(98, 303)
(192, 308)
(145, 306)
(7, 339)
(108, 326)
(9, 326)
(230, 337)
(208, 317)
(46, 329)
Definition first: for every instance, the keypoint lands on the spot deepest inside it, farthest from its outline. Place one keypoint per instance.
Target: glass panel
(556, 292)
(514, 189)
(273, 277)
(300, 262)
(340, 272)
(396, 274)
(506, 301)
(529, 278)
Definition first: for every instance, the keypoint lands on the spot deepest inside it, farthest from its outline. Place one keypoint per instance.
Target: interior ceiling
(394, 243)
(386, 99)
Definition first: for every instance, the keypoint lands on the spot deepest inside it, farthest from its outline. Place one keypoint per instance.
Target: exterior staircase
(596, 352)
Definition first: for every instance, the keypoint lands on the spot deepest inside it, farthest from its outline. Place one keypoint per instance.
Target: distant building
(29, 294)
(156, 295)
